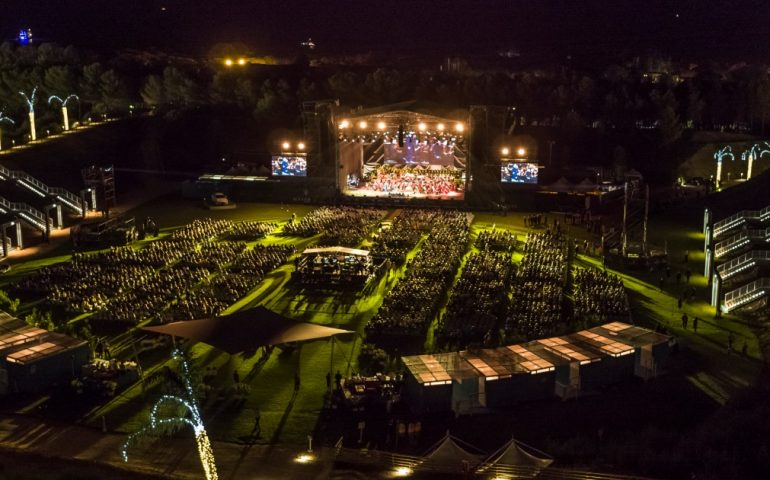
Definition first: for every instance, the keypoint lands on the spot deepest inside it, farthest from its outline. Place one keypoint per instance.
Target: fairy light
(4, 118)
(756, 152)
(65, 113)
(31, 104)
(205, 452)
(719, 156)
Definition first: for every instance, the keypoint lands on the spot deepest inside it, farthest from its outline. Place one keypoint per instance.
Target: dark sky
(736, 29)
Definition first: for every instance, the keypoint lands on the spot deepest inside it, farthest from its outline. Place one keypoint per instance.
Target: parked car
(219, 199)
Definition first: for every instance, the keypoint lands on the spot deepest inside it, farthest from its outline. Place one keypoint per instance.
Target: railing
(67, 198)
(739, 240)
(746, 294)
(31, 215)
(740, 218)
(745, 261)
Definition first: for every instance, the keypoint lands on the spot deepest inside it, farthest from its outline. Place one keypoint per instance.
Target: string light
(756, 152)
(31, 103)
(64, 103)
(719, 156)
(189, 404)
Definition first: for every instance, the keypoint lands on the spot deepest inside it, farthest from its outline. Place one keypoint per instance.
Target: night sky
(733, 30)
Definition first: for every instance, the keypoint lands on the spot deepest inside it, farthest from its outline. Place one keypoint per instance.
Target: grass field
(287, 417)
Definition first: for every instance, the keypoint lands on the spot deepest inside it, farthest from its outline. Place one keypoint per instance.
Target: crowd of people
(411, 305)
(599, 296)
(338, 226)
(500, 240)
(396, 242)
(478, 301)
(250, 230)
(128, 284)
(414, 182)
(536, 306)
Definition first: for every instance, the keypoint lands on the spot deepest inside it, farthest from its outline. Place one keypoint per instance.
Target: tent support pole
(331, 363)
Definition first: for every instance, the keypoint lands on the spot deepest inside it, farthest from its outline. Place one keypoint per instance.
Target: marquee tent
(247, 330)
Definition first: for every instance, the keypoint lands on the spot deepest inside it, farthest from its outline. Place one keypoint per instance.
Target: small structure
(32, 359)
(451, 455)
(512, 460)
(565, 367)
(334, 266)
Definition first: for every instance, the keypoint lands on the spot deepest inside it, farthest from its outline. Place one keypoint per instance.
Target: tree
(152, 92)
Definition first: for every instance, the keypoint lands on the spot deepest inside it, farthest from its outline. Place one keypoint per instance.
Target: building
(563, 367)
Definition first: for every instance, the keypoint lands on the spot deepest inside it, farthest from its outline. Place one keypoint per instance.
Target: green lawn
(287, 417)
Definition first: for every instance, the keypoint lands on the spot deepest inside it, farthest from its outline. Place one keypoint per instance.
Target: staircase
(741, 218)
(26, 213)
(746, 261)
(747, 294)
(69, 200)
(734, 244)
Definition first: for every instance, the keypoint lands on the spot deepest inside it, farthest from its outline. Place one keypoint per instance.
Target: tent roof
(449, 455)
(346, 250)
(512, 459)
(561, 184)
(586, 184)
(247, 330)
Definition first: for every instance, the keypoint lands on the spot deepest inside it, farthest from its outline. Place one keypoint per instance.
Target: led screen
(285, 166)
(513, 172)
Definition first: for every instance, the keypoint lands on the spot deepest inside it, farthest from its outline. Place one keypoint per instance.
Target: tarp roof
(512, 459)
(449, 456)
(586, 184)
(247, 330)
(562, 184)
(345, 250)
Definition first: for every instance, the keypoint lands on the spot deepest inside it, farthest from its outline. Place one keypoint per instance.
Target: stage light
(505, 151)
(228, 62)
(344, 124)
(440, 127)
(241, 61)
(381, 125)
(285, 145)
(521, 152)
(402, 472)
(421, 126)
(460, 127)
(362, 124)
(300, 146)
(304, 458)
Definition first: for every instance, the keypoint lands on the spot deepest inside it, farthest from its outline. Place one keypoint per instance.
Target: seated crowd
(599, 296)
(338, 226)
(500, 240)
(478, 301)
(536, 306)
(249, 230)
(406, 230)
(411, 305)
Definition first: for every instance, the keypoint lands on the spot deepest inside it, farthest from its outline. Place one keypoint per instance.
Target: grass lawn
(287, 417)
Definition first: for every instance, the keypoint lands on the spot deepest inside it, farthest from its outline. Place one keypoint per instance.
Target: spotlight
(521, 152)
(440, 127)
(304, 458)
(228, 62)
(241, 61)
(460, 127)
(505, 151)
(402, 472)
(300, 146)
(422, 126)
(285, 145)
(362, 124)
(380, 125)
(344, 124)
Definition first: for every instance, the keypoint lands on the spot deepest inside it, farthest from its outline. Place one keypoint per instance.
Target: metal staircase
(28, 214)
(68, 199)
(744, 262)
(739, 219)
(745, 295)
(734, 244)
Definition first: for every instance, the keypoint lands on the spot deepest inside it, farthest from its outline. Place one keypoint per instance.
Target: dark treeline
(651, 98)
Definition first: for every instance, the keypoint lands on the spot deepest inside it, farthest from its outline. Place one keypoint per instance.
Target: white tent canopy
(512, 460)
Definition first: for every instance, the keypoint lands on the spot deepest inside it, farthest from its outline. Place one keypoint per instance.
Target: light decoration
(31, 104)
(380, 126)
(421, 126)
(756, 152)
(65, 113)
(440, 127)
(4, 118)
(719, 156)
(344, 124)
(304, 458)
(24, 37)
(402, 472)
(188, 404)
(362, 124)
(460, 127)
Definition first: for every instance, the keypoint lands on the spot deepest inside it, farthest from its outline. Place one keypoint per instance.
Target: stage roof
(345, 250)
(247, 330)
(53, 344)
(412, 109)
(538, 356)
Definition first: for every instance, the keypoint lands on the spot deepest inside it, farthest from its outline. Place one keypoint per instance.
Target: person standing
(328, 380)
(684, 321)
(695, 325)
(686, 256)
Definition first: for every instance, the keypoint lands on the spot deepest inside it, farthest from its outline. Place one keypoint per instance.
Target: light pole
(4, 118)
(31, 104)
(64, 103)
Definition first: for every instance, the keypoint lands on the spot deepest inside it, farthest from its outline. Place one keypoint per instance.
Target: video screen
(284, 166)
(511, 172)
